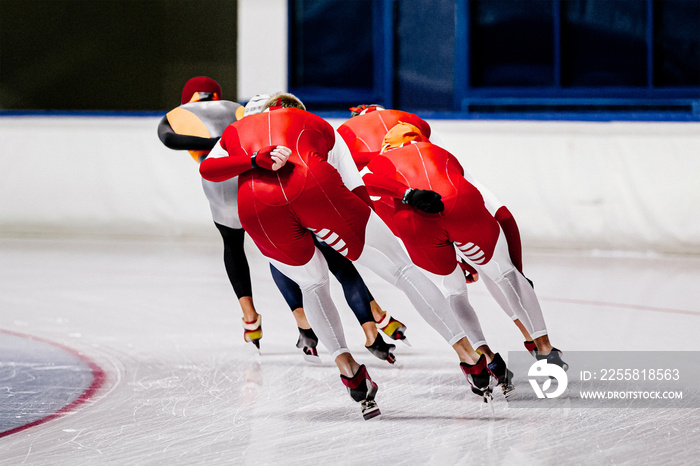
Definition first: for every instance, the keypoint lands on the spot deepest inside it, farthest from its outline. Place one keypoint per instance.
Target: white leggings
(454, 287)
(511, 290)
(384, 256)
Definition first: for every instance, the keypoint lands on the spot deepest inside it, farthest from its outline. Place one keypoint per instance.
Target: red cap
(200, 84)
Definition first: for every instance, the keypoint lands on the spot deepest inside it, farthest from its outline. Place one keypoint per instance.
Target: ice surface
(182, 387)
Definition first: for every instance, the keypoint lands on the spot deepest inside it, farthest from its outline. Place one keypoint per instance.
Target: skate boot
(382, 350)
(362, 389)
(470, 273)
(503, 375)
(478, 377)
(252, 331)
(531, 348)
(307, 342)
(554, 357)
(392, 328)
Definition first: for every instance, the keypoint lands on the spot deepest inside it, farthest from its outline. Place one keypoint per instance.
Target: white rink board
(622, 186)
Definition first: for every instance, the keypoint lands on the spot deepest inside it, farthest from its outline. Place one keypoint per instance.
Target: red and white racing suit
(365, 134)
(465, 223)
(318, 191)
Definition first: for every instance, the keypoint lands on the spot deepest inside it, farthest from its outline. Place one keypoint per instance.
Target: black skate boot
(504, 377)
(362, 389)
(478, 377)
(308, 341)
(382, 350)
(554, 357)
(393, 328)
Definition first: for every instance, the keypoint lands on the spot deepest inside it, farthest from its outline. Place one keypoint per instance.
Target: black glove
(427, 201)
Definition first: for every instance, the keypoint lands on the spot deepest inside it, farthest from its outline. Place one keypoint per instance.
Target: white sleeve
(490, 200)
(341, 159)
(217, 151)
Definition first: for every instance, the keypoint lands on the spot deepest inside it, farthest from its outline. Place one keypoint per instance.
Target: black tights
(235, 260)
(356, 293)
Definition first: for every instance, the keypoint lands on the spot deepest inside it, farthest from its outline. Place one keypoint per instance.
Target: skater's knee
(313, 286)
(404, 273)
(504, 272)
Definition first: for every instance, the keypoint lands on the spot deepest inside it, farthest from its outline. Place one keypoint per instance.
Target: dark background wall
(112, 54)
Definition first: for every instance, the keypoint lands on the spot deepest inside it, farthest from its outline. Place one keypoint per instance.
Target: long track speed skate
(307, 342)
(504, 377)
(252, 331)
(393, 328)
(554, 357)
(382, 350)
(479, 378)
(362, 389)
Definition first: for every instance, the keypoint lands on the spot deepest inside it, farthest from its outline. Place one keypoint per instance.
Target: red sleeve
(362, 193)
(224, 168)
(381, 180)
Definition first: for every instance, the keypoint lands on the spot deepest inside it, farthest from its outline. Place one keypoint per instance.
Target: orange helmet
(400, 135)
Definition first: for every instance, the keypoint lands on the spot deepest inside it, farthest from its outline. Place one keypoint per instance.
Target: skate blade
(256, 343)
(489, 402)
(311, 355)
(370, 410)
(313, 359)
(508, 391)
(405, 341)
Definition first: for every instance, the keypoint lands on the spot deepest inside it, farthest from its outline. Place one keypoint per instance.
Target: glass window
(512, 43)
(677, 43)
(604, 43)
(424, 74)
(331, 44)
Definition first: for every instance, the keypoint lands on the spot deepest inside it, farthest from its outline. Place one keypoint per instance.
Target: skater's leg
(346, 364)
(288, 287)
(300, 318)
(237, 269)
(238, 272)
(500, 298)
(383, 254)
(321, 312)
(248, 308)
(454, 288)
(517, 294)
(354, 288)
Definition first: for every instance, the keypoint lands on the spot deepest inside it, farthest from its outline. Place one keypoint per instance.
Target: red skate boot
(362, 389)
(531, 348)
(478, 377)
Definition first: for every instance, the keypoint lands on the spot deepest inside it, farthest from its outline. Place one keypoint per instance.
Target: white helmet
(255, 104)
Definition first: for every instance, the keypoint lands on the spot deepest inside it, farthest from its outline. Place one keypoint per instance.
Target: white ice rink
(182, 387)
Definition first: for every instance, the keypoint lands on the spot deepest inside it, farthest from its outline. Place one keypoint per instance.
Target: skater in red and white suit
(409, 161)
(296, 179)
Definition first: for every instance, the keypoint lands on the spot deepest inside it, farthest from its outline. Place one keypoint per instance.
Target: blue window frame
(471, 58)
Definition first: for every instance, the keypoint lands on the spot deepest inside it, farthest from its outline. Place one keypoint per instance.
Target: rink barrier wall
(630, 186)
